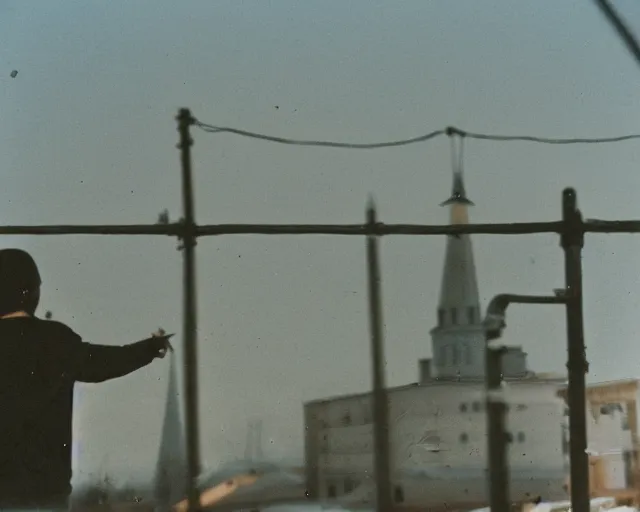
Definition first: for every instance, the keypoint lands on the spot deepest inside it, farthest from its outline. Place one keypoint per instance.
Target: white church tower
(438, 426)
(458, 338)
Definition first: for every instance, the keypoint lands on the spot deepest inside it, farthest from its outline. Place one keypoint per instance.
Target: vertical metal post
(190, 319)
(497, 437)
(572, 241)
(380, 399)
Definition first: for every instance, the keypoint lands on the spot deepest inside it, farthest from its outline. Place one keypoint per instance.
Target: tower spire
(171, 467)
(457, 338)
(459, 288)
(458, 193)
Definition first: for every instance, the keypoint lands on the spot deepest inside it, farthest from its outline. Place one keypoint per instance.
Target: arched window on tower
(456, 355)
(468, 356)
(471, 315)
(454, 316)
(441, 318)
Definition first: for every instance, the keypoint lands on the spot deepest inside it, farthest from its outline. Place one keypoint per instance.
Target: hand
(163, 339)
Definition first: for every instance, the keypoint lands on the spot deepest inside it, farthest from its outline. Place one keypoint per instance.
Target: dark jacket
(40, 361)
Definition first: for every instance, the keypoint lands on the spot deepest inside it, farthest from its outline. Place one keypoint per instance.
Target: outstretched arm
(98, 363)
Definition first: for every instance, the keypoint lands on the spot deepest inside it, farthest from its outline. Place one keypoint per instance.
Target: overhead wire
(298, 142)
(549, 140)
(608, 11)
(450, 131)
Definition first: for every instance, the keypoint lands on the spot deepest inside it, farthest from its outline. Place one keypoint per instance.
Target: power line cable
(620, 27)
(422, 138)
(282, 140)
(549, 140)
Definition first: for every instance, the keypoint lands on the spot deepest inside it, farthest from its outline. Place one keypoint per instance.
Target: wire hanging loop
(457, 150)
(458, 194)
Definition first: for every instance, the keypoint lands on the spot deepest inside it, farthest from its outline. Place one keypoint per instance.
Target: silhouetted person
(40, 360)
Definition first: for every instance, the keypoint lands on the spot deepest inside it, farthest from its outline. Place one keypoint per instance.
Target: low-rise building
(612, 436)
(438, 443)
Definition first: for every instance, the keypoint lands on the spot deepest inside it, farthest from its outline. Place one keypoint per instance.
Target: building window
(628, 467)
(521, 437)
(521, 407)
(454, 316)
(440, 356)
(625, 421)
(441, 319)
(468, 356)
(610, 409)
(464, 438)
(471, 315)
(565, 439)
(324, 445)
(509, 437)
(477, 406)
(348, 485)
(456, 355)
(331, 491)
(463, 407)
(398, 494)
(366, 415)
(346, 419)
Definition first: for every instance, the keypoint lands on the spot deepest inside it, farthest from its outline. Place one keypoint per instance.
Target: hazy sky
(88, 136)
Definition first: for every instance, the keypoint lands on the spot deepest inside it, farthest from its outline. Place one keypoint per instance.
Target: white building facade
(609, 438)
(438, 442)
(612, 433)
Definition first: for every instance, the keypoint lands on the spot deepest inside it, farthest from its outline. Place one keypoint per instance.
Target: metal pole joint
(187, 234)
(573, 226)
(185, 120)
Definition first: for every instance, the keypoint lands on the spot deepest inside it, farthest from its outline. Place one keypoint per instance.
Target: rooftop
(533, 378)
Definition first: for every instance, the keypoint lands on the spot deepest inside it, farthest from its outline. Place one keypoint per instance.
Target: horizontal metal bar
(132, 229)
(515, 228)
(512, 298)
(611, 226)
(381, 229)
(288, 229)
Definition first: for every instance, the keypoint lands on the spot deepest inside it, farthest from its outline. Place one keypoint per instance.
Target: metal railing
(571, 230)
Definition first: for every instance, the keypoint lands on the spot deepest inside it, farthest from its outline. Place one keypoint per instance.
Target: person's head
(19, 282)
